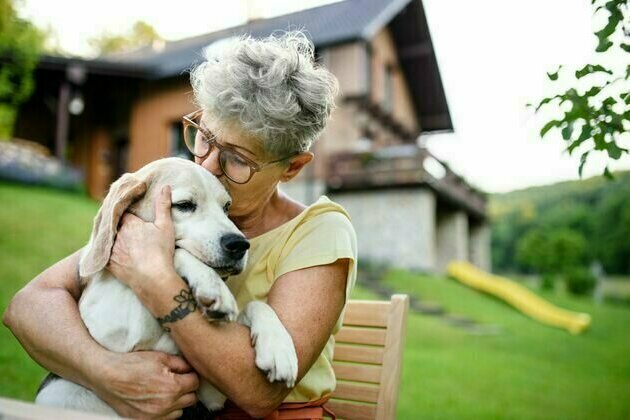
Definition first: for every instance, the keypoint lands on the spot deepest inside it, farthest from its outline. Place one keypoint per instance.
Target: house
(114, 114)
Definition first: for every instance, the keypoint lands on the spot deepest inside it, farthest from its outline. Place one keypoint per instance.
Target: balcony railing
(403, 166)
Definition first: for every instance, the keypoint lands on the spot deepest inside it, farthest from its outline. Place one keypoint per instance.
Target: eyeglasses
(237, 167)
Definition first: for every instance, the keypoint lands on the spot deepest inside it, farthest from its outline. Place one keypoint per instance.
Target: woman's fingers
(185, 400)
(163, 207)
(188, 382)
(174, 414)
(177, 364)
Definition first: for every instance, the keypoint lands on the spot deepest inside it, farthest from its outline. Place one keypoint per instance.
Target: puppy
(209, 248)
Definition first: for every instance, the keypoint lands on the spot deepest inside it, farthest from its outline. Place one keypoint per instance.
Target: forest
(550, 229)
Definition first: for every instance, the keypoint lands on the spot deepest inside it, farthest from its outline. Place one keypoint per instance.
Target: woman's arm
(307, 301)
(45, 319)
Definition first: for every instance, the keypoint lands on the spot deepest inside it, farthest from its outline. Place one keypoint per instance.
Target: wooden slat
(352, 372)
(356, 391)
(350, 410)
(14, 409)
(359, 354)
(358, 335)
(392, 363)
(366, 313)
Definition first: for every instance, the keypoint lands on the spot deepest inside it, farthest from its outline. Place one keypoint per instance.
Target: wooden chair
(368, 359)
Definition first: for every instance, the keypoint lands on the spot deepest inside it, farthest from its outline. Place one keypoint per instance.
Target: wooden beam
(410, 52)
(63, 121)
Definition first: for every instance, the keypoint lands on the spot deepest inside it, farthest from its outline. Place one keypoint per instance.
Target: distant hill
(597, 208)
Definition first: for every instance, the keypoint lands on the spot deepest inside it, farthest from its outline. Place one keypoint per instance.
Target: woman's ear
(296, 163)
(121, 195)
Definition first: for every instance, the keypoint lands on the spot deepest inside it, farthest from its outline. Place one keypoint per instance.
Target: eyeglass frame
(211, 140)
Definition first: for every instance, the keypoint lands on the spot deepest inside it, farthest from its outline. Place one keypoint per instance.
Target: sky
(493, 57)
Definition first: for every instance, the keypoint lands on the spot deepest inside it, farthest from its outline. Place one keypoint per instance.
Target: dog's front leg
(275, 352)
(212, 295)
(216, 302)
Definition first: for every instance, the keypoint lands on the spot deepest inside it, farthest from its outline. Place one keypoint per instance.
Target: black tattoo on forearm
(186, 305)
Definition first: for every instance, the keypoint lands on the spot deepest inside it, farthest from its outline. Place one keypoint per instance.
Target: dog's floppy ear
(122, 194)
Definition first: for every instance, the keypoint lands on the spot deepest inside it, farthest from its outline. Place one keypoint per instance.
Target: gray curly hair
(271, 87)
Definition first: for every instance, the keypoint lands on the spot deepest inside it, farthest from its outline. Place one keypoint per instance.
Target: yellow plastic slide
(520, 297)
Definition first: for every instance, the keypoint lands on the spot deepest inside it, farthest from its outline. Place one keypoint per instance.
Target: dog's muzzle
(234, 246)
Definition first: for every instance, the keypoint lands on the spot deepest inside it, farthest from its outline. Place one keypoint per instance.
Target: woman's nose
(211, 162)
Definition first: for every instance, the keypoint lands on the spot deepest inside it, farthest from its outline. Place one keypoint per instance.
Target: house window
(177, 146)
(388, 88)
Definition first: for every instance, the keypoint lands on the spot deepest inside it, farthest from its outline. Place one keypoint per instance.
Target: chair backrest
(368, 359)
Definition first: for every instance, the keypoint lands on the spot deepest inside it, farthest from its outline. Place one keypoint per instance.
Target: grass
(529, 371)
(38, 227)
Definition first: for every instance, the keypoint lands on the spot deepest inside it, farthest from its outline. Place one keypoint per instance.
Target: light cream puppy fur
(115, 316)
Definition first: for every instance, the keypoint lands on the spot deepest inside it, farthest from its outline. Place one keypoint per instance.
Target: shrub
(547, 281)
(25, 163)
(580, 281)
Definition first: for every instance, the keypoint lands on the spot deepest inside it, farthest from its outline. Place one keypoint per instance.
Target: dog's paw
(217, 303)
(210, 396)
(275, 355)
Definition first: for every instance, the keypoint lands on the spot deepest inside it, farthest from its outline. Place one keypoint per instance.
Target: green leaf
(599, 140)
(614, 151)
(546, 101)
(609, 102)
(594, 91)
(615, 17)
(625, 47)
(549, 126)
(582, 162)
(554, 76)
(608, 174)
(585, 134)
(567, 131)
(589, 69)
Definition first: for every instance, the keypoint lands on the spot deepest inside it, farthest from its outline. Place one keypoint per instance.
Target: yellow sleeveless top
(320, 235)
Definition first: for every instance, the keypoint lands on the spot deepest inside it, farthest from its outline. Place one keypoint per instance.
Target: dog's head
(199, 211)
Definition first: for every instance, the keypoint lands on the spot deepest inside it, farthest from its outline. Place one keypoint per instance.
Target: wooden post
(63, 119)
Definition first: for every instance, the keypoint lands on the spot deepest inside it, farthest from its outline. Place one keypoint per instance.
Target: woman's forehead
(230, 133)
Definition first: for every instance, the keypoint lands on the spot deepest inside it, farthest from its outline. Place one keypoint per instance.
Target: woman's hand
(143, 251)
(146, 384)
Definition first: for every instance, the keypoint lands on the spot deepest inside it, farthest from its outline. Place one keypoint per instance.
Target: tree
(597, 117)
(552, 252)
(140, 35)
(611, 241)
(20, 46)
(532, 251)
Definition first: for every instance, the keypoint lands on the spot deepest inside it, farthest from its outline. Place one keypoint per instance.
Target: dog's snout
(234, 245)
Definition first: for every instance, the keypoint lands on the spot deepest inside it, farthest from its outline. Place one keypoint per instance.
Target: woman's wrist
(95, 366)
(157, 294)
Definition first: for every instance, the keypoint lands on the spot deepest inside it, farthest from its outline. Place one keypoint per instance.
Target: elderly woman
(263, 102)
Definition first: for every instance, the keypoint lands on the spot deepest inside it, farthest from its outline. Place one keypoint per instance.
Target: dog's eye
(185, 206)
(227, 207)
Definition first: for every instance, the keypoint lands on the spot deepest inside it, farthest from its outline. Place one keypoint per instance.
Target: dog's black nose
(234, 245)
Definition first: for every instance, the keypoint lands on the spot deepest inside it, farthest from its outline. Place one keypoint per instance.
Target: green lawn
(528, 371)
(38, 226)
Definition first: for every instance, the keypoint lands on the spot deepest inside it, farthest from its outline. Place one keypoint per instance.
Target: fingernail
(166, 189)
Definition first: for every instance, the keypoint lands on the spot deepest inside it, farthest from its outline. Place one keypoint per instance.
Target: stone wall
(480, 234)
(452, 238)
(406, 227)
(395, 226)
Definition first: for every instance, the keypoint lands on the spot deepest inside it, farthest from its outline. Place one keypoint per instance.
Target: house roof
(327, 25)
(334, 23)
